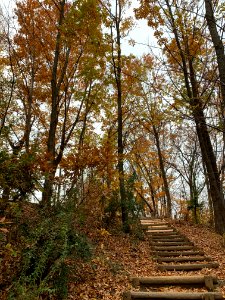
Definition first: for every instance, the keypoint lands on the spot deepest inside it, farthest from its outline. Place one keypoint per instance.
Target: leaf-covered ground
(119, 257)
(211, 243)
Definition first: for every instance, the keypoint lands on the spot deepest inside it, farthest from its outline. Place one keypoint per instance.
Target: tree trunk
(152, 193)
(211, 215)
(208, 155)
(209, 160)
(48, 188)
(219, 48)
(220, 55)
(123, 199)
(154, 211)
(163, 173)
(196, 106)
(51, 150)
(28, 111)
(120, 148)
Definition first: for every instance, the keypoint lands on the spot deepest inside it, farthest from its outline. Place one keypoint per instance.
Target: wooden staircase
(174, 252)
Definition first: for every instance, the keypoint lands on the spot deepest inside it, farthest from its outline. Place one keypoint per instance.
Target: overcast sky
(141, 33)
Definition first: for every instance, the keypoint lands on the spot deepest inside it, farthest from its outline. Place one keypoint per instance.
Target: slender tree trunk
(154, 211)
(48, 188)
(211, 214)
(120, 148)
(51, 150)
(220, 55)
(108, 162)
(219, 48)
(4, 114)
(120, 156)
(193, 188)
(59, 188)
(212, 171)
(28, 109)
(163, 173)
(208, 156)
(146, 202)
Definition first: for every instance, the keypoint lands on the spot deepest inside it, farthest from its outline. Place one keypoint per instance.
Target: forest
(92, 138)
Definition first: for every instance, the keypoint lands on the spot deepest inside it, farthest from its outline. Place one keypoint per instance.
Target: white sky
(142, 34)
(7, 4)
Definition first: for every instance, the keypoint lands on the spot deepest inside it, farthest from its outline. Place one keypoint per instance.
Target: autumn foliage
(93, 136)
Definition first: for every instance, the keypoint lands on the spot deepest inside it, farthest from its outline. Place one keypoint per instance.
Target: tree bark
(154, 211)
(219, 48)
(51, 150)
(196, 106)
(208, 155)
(163, 173)
(220, 56)
(117, 64)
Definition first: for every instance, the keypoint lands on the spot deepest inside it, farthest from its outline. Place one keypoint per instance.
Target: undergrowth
(44, 268)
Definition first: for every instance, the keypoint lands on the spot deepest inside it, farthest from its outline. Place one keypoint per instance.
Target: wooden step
(159, 221)
(207, 281)
(171, 295)
(155, 224)
(159, 227)
(165, 237)
(170, 239)
(182, 259)
(177, 253)
(187, 267)
(156, 229)
(172, 248)
(174, 252)
(162, 233)
(162, 243)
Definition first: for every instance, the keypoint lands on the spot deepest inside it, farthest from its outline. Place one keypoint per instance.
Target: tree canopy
(88, 132)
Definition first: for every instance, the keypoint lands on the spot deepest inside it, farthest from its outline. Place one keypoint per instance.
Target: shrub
(44, 271)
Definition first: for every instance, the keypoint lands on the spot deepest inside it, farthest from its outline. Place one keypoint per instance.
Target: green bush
(18, 174)
(43, 269)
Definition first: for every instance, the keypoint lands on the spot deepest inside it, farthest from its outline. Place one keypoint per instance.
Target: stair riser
(182, 259)
(170, 295)
(171, 239)
(188, 267)
(177, 253)
(172, 248)
(171, 243)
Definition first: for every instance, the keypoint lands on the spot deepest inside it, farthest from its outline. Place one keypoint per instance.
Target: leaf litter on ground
(118, 257)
